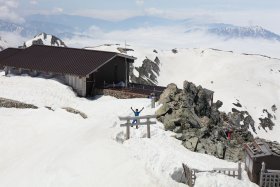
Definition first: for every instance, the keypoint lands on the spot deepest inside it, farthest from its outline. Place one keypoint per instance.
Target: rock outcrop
(199, 124)
(148, 72)
(8, 103)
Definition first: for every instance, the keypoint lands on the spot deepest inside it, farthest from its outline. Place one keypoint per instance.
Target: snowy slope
(55, 148)
(45, 39)
(251, 79)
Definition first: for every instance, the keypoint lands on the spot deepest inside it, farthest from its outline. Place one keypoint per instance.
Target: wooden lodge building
(258, 152)
(81, 69)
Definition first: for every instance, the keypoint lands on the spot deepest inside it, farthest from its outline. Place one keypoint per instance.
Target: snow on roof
(261, 147)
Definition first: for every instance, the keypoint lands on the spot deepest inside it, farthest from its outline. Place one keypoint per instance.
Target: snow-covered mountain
(57, 148)
(250, 79)
(68, 26)
(45, 39)
(228, 31)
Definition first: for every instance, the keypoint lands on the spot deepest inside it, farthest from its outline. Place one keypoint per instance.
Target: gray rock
(168, 93)
(194, 142)
(220, 150)
(163, 110)
(8, 103)
(178, 130)
(188, 145)
(180, 136)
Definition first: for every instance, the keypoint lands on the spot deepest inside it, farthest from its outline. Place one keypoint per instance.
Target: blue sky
(240, 12)
(76, 6)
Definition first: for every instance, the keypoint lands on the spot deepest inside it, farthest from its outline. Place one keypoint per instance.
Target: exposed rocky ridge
(200, 125)
(74, 111)
(8, 103)
(267, 122)
(148, 72)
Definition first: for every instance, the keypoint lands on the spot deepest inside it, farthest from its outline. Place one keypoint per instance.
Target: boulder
(220, 150)
(187, 145)
(168, 94)
(165, 108)
(180, 136)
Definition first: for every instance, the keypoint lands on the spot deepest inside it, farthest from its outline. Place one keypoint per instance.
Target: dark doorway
(116, 73)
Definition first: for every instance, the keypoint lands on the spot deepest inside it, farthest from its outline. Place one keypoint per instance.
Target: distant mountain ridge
(67, 26)
(228, 31)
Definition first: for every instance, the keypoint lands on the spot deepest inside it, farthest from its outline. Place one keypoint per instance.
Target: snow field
(56, 148)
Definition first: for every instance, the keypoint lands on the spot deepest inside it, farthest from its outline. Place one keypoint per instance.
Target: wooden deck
(132, 91)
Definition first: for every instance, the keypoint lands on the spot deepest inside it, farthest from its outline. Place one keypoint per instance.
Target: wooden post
(239, 170)
(127, 129)
(148, 128)
(152, 101)
(261, 174)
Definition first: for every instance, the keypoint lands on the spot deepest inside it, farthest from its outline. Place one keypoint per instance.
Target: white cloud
(174, 37)
(112, 15)
(140, 2)
(57, 10)
(154, 11)
(8, 11)
(33, 2)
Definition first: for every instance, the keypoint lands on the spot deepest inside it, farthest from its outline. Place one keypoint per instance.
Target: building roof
(8, 52)
(261, 147)
(80, 62)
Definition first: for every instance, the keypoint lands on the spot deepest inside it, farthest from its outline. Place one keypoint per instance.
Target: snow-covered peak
(3, 44)
(232, 31)
(45, 39)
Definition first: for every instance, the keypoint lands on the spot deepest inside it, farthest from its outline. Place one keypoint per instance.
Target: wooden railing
(232, 172)
(269, 178)
(190, 174)
(129, 124)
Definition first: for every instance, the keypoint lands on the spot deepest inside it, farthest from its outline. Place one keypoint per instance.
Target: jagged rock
(168, 93)
(188, 116)
(237, 104)
(235, 110)
(266, 123)
(218, 104)
(148, 72)
(274, 108)
(204, 121)
(188, 145)
(169, 123)
(194, 142)
(165, 108)
(189, 88)
(220, 150)
(235, 119)
(178, 129)
(180, 136)
(234, 154)
(200, 124)
(249, 121)
(174, 51)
